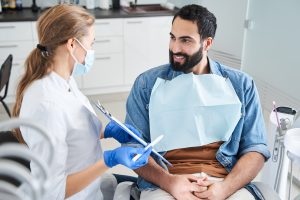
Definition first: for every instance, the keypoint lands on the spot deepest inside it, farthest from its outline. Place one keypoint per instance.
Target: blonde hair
(55, 26)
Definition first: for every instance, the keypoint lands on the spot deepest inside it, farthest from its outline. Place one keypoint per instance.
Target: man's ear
(207, 43)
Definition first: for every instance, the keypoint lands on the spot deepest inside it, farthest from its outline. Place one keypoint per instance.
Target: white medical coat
(66, 114)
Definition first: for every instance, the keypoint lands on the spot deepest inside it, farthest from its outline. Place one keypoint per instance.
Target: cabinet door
(107, 71)
(19, 49)
(108, 27)
(15, 31)
(146, 44)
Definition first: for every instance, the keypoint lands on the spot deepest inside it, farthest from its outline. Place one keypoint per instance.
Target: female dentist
(48, 94)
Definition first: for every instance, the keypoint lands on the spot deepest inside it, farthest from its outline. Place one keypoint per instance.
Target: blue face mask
(79, 68)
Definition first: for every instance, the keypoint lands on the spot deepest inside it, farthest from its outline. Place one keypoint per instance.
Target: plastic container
(19, 5)
(104, 4)
(90, 4)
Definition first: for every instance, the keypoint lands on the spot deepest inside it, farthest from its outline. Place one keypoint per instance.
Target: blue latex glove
(114, 131)
(124, 156)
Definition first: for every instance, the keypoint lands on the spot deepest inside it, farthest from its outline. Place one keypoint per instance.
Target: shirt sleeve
(51, 118)
(137, 109)
(254, 133)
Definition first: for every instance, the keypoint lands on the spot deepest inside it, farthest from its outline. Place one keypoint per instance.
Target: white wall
(181, 3)
(271, 50)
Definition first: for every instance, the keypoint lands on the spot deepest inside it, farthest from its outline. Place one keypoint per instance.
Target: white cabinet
(16, 39)
(146, 44)
(108, 68)
(124, 48)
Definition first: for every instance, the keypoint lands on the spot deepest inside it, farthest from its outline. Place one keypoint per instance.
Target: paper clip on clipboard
(127, 130)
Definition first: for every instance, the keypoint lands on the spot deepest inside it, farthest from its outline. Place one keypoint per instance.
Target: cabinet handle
(7, 27)
(134, 22)
(103, 58)
(15, 64)
(102, 41)
(102, 23)
(8, 46)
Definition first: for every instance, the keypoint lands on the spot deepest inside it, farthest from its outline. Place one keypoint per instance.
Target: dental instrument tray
(127, 130)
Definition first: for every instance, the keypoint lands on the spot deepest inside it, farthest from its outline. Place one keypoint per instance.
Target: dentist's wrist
(108, 159)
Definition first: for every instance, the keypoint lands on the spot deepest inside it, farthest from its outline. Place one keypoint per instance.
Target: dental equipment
(37, 184)
(292, 145)
(21, 151)
(275, 172)
(10, 191)
(127, 130)
(19, 172)
(15, 123)
(136, 157)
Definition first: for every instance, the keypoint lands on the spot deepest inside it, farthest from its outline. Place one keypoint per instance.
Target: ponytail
(35, 68)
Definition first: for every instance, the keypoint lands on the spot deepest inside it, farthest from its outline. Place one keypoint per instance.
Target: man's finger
(197, 188)
(205, 183)
(203, 195)
(193, 178)
(192, 197)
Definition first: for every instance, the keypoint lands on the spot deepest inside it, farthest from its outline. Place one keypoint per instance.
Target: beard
(189, 60)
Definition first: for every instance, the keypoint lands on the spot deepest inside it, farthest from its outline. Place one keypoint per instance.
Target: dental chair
(4, 81)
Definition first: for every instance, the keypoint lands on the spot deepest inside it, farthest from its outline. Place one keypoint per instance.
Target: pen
(137, 156)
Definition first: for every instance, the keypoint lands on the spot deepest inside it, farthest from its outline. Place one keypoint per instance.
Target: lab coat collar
(60, 81)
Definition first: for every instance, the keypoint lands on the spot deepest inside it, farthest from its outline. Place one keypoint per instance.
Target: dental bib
(193, 110)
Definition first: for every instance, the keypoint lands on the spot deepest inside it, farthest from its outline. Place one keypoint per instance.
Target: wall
(180, 3)
(271, 51)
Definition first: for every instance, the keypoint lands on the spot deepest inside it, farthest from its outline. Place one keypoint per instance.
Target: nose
(174, 46)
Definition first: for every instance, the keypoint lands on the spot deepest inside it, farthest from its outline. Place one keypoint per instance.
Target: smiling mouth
(178, 58)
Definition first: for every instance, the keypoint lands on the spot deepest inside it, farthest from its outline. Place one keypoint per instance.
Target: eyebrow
(182, 37)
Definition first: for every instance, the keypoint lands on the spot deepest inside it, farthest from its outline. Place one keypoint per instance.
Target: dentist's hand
(124, 155)
(114, 131)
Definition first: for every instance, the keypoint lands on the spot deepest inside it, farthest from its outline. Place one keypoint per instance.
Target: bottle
(90, 4)
(0, 6)
(12, 4)
(104, 4)
(5, 5)
(115, 4)
(19, 5)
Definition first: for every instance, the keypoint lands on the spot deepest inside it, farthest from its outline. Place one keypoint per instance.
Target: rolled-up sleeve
(253, 136)
(51, 118)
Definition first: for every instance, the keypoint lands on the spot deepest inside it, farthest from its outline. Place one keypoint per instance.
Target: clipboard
(127, 130)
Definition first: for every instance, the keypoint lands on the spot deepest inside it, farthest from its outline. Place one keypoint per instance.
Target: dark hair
(206, 21)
